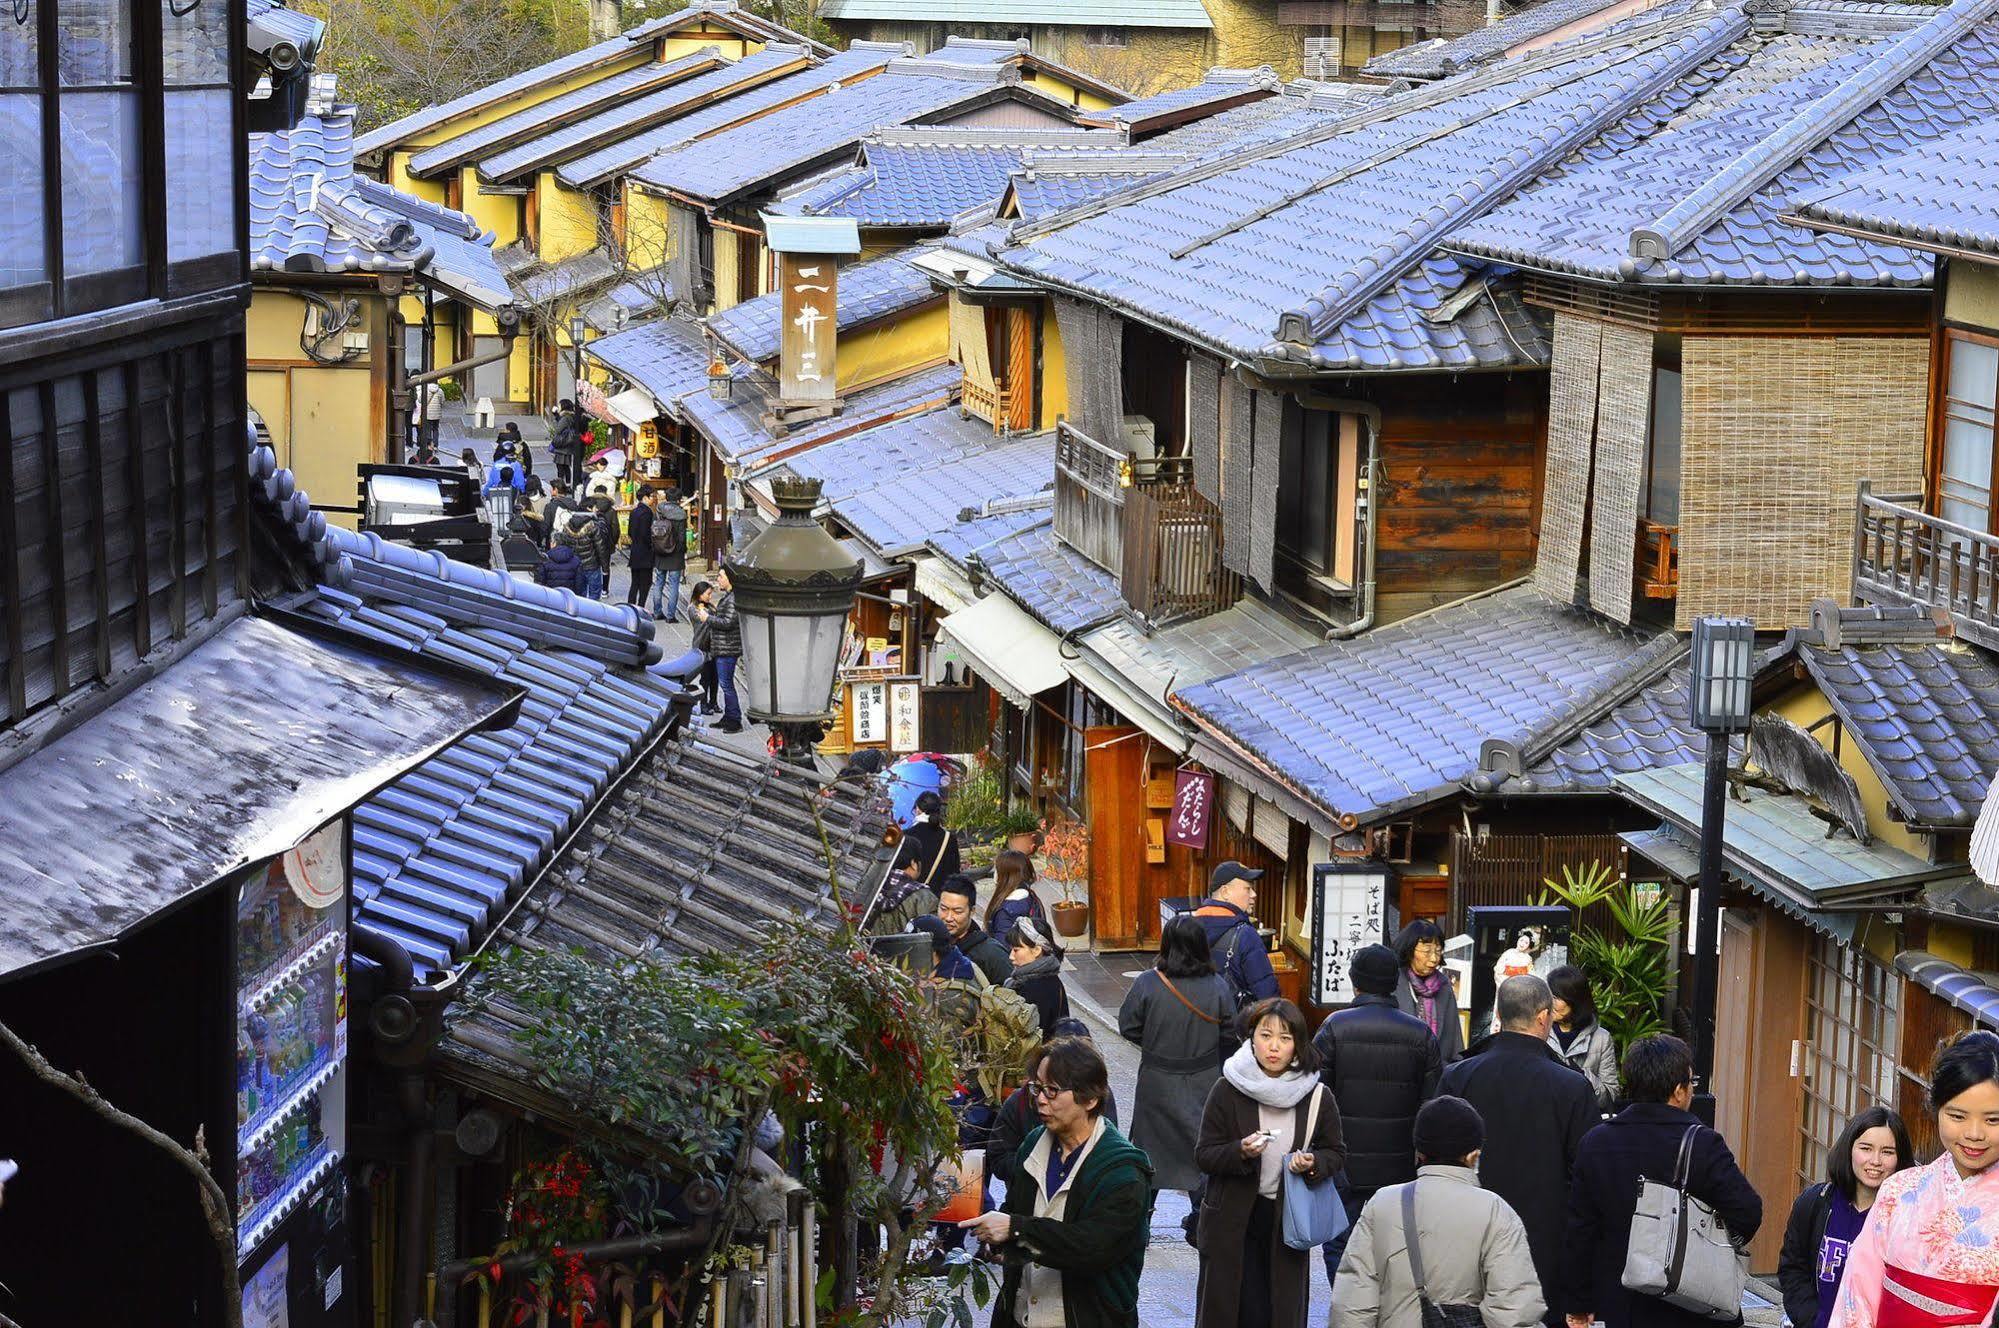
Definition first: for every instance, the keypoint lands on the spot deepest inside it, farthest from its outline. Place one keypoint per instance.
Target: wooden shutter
(1238, 424)
(1204, 440)
(1264, 472)
(1020, 369)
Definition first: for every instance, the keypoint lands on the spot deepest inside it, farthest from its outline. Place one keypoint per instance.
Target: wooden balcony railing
(1089, 497)
(1903, 555)
(987, 401)
(1658, 560)
(1173, 554)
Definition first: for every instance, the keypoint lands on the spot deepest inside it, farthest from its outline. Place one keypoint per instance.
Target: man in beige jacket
(1471, 1249)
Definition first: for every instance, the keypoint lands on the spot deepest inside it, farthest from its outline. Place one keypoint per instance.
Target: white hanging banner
(1350, 909)
(1985, 838)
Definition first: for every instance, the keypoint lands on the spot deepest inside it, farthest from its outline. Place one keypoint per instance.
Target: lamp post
(794, 588)
(576, 331)
(1724, 657)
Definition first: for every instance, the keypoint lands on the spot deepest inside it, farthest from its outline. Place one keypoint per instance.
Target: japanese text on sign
(905, 710)
(1193, 808)
(867, 703)
(809, 329)
(1349, 910)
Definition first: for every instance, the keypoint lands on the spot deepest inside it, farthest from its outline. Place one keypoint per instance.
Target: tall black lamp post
(1724, 657)
(577, 329)
(794, 588)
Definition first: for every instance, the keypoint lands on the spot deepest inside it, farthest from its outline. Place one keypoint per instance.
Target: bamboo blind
(681, 244)
(1623, 421)
(1238, 425)
(1777, 433)
(1204, 440)
(1571, 425)
(969, 347)
(1093, 348)
(1265, 468)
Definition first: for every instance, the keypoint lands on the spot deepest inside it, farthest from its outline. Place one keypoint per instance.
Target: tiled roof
(1943, 195)
(532, 121)
(1440, 58)
(628, 150)
(927, 176)
(770, 150)
(724, 13)
(1688, 187)
(738, 86)
(735, 426)
(868, 290)
(1925, 717)
(668, 357)
(1265, 252)
(1046, 577)
(898, 485)
(1647, 731)
(1256, 122)
(644, 296)
(1189, 653)
(1217, 86)
(549, 283)
(1061, 13)
(1397, 718)
(1038, 190)
(309, 212)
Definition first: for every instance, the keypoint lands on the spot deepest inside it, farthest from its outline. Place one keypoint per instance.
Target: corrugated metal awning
(1967, 991)
(1015, 654)
(942, 584)
(1112, 689)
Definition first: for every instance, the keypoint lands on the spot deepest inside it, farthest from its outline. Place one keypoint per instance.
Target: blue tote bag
(1313, 1214)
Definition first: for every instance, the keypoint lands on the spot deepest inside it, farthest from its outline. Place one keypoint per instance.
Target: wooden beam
(135, 516)
(100, 557)
(17, 665)
(176, 494)
(204, 358)
(52, 541)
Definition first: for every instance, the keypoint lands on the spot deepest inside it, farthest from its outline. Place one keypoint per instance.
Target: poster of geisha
(1508, 942)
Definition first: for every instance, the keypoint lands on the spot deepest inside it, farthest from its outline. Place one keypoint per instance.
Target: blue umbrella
(908, 779)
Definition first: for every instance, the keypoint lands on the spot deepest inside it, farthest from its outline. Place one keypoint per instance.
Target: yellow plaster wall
(1054, 370)
(1805, 707)
(520, 371)
(568, 220)
(648, 237)
(400, 178)
(1952, 943)
(498, 213)
(728, 256)
(1971, 294)
(324, 419)
(485, 115)
(687, 43)
(890, 350)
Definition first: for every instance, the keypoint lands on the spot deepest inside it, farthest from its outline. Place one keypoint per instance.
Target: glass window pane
(201, 174)
(101, 176)
(18, 47)
(22, 260)
(1662, 482)
(196, 41)
(1974, 372)
(95, 39)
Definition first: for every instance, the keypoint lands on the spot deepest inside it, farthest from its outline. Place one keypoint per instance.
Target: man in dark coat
(638, 530)
(1382, 1066)
(957, 902)
(669, 553)
(606, 529)
(1644, 1140)
(1232, 936)
(1536, 1112)
(566, 443)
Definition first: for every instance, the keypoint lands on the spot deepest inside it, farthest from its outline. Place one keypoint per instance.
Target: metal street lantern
(1724, 667)
(794, 588)
(576, 331)
(721, 383)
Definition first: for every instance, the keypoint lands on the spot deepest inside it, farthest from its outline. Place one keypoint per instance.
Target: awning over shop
(942, 584)
(1016, 654)
(1970, 992)
(1776, 845)
(634, 408)
(873, 567)
(1679, 856)
(230, 755)
(1149, 714)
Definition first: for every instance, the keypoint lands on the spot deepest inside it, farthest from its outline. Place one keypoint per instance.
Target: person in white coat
(1471, 1246)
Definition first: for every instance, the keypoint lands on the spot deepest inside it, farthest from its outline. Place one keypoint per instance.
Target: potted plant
(1065, 849)
(1021, 829)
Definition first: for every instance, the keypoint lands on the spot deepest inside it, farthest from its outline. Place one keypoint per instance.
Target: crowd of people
(1494, 1184)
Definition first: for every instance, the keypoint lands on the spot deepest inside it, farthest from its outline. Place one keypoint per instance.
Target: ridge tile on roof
(1944, 195)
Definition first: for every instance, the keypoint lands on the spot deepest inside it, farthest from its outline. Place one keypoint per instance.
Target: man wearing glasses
(1078, 1213)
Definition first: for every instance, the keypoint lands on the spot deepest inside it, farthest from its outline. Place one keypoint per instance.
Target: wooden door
(1020, 370)
(1114, 756)
(1422, 897)
(1732, 1043)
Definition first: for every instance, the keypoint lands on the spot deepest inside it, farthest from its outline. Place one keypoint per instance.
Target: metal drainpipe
(1373, 474)
(417, 1184)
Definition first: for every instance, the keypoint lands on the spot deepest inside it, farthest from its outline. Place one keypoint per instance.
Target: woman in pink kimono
(1929, 1254)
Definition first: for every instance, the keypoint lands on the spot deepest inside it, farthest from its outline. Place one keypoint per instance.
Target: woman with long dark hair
(1579, 1037)
(1928, 1256)
(1424, 988)
(1828, 1217)
(698, 601)
(1013, 895)
(1037, 973)
(1181, 1015)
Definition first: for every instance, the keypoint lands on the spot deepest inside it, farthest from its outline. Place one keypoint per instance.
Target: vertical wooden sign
(809, 332)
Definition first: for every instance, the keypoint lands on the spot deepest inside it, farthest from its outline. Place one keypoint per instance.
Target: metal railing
(1904, 555)
(1173, 554)
(1658, 560)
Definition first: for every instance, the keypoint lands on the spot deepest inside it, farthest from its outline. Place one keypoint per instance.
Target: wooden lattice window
(1848, 1059)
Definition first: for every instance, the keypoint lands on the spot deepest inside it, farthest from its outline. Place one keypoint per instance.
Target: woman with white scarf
(1266, 1117)
(1037, 973)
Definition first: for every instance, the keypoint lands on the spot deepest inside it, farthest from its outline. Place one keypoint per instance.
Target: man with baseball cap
(1232, 937)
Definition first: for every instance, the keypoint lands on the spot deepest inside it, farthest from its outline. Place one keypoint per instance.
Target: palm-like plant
(1628, 973)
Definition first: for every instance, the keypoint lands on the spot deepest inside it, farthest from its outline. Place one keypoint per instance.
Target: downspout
(394, 1021)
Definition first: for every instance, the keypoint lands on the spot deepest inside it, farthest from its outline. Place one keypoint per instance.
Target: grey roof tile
(1945, 194)
(1440, 58)
(1217, 88)
(928, 176)
(1768, 120)
(727, 13)
(770, 150)
(667, 357)
(1063, 13)
(735, 426)
(1046, 577)
(1396, 718)
(548, 283)
(680, 127)
(876, 288)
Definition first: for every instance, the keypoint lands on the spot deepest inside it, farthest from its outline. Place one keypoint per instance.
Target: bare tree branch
(214, 1202)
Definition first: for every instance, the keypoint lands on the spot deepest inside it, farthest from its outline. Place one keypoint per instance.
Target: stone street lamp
(1724, 667)
(794, 588)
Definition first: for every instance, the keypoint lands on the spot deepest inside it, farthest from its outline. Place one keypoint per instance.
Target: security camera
(508, 317)
(274, 49)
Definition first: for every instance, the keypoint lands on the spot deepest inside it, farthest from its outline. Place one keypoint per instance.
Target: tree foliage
(1630, 969)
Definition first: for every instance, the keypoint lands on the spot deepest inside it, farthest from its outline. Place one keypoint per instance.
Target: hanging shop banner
(905, 715)
(807, 328)
(867, 704)
(1350, 909)
(1193, 808)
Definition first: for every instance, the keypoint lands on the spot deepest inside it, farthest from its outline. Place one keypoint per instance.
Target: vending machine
(293, 1235)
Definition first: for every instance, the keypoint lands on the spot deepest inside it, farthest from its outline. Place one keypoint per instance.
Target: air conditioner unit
(1322, 58)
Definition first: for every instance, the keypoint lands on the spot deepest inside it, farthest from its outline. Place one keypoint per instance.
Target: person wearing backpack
(639, 527)
(1232, 936)
(669, 554)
